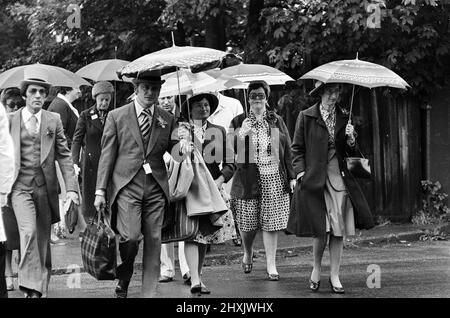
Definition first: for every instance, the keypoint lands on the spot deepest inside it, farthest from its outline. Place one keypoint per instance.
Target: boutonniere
(50, 132)
(161, 122)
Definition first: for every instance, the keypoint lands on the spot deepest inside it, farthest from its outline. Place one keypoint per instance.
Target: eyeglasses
(11, 105)
(33, 91)
(257, 96)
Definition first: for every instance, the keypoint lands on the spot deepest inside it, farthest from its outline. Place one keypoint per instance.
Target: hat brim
(211, 98)
(33, 82)
(137, 81)
(316, 91)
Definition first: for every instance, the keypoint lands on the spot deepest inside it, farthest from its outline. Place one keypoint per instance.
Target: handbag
(71, 216)
(98, 249)
(203, 197)
(183, 227)
(181, 175)
(359, 167)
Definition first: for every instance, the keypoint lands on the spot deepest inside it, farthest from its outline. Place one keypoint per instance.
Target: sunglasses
(11, 105)
(257, 96)
(33, 91)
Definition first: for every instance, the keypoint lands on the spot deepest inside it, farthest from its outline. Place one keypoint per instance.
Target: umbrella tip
(357, 55)
(173, 38)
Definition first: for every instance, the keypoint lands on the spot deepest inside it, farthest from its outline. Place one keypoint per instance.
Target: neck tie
(145, 120)
(32, 127)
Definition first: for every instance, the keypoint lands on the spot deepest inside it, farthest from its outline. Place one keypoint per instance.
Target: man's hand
(219, 181)
(292, 185)
(99, 202)
(3, 199)
(72, 195)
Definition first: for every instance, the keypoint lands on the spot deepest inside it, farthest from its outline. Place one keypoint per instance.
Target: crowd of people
(116, 160)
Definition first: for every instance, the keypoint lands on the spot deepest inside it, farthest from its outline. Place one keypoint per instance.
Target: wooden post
(377, 171)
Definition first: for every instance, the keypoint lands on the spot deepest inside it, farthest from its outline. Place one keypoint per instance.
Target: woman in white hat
(88, 134)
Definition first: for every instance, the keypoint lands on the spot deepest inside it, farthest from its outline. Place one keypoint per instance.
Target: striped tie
(145, 121)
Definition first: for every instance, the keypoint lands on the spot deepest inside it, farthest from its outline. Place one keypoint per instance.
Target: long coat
(310, 154)
(88, 134)
(53, 148)
(123, 152)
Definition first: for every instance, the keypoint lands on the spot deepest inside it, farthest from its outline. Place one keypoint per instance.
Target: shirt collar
(139, 108)
(68, 103)
(26, 115)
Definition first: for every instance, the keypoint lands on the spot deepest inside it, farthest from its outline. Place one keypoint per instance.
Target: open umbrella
(195, 83)
(104, 70)
(356, 72)
(251, 72)
(55, 75)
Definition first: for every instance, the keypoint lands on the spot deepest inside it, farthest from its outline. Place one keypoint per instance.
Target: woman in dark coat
(210, 140)
(264, 176)
(327, 201)
(88, 134)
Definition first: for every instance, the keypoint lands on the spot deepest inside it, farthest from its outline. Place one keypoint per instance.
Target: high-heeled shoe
(336, 290)
(273, 277)
(313, 286)
(247, 267)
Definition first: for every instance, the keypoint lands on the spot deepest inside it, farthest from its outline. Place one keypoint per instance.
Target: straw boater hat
(211, 98)
(102, 87)
(34, 78)
(319, 86)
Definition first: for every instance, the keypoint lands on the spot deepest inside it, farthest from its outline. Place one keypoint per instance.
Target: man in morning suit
(132, 175)
(39, 141)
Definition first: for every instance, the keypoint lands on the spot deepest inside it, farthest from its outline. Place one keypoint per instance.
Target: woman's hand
(184, 130)
(350, 132)
(292, 185)
(246, 126)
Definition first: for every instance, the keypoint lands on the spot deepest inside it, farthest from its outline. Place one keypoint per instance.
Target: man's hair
(64, 90)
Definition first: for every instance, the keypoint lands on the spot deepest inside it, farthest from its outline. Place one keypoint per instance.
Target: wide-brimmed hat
(211, 98)
(102, 87)
(319, 86)
(33, 81)
(152, 77)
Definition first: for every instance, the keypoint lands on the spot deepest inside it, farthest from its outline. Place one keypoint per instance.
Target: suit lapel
(16, 122)
(46, 140)
(155, 130)
(134, 126)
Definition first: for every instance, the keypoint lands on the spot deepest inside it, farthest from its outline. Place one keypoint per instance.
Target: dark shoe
(314, 286)
(237, 241)
(187, 279)
(33, 294)
(205, 290)
(247, 267)
(336, 290)
(274, 277)
(197, 289)
(165, 279)
(122, 289)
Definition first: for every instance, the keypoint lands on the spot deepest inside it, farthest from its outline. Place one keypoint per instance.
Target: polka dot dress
(270, 212)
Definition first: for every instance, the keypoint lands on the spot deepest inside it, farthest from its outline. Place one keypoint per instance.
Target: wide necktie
(32, 126)
(145, 122)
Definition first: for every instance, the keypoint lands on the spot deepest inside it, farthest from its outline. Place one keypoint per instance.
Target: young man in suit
(39, 141)
(133, 175)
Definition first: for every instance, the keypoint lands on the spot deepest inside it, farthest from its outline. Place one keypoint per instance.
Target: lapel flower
(270, 117)
(50, 132)
(161, 122)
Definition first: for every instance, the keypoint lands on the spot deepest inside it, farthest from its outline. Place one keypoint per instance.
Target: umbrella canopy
(104, 70)
(55, 75)
(252, 72)
(175, 56)
(188, 83)
(356, 72)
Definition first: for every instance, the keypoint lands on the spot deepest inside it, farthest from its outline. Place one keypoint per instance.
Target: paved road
(419, 269)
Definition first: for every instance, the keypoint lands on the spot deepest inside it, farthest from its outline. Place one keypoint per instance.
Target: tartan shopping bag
(98, 250)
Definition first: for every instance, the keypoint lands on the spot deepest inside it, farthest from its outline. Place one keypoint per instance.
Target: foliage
(434, 207)
(413, 39)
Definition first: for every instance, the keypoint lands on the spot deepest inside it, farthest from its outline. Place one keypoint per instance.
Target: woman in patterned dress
(210, 140)
(264, 176)
(328, 203)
